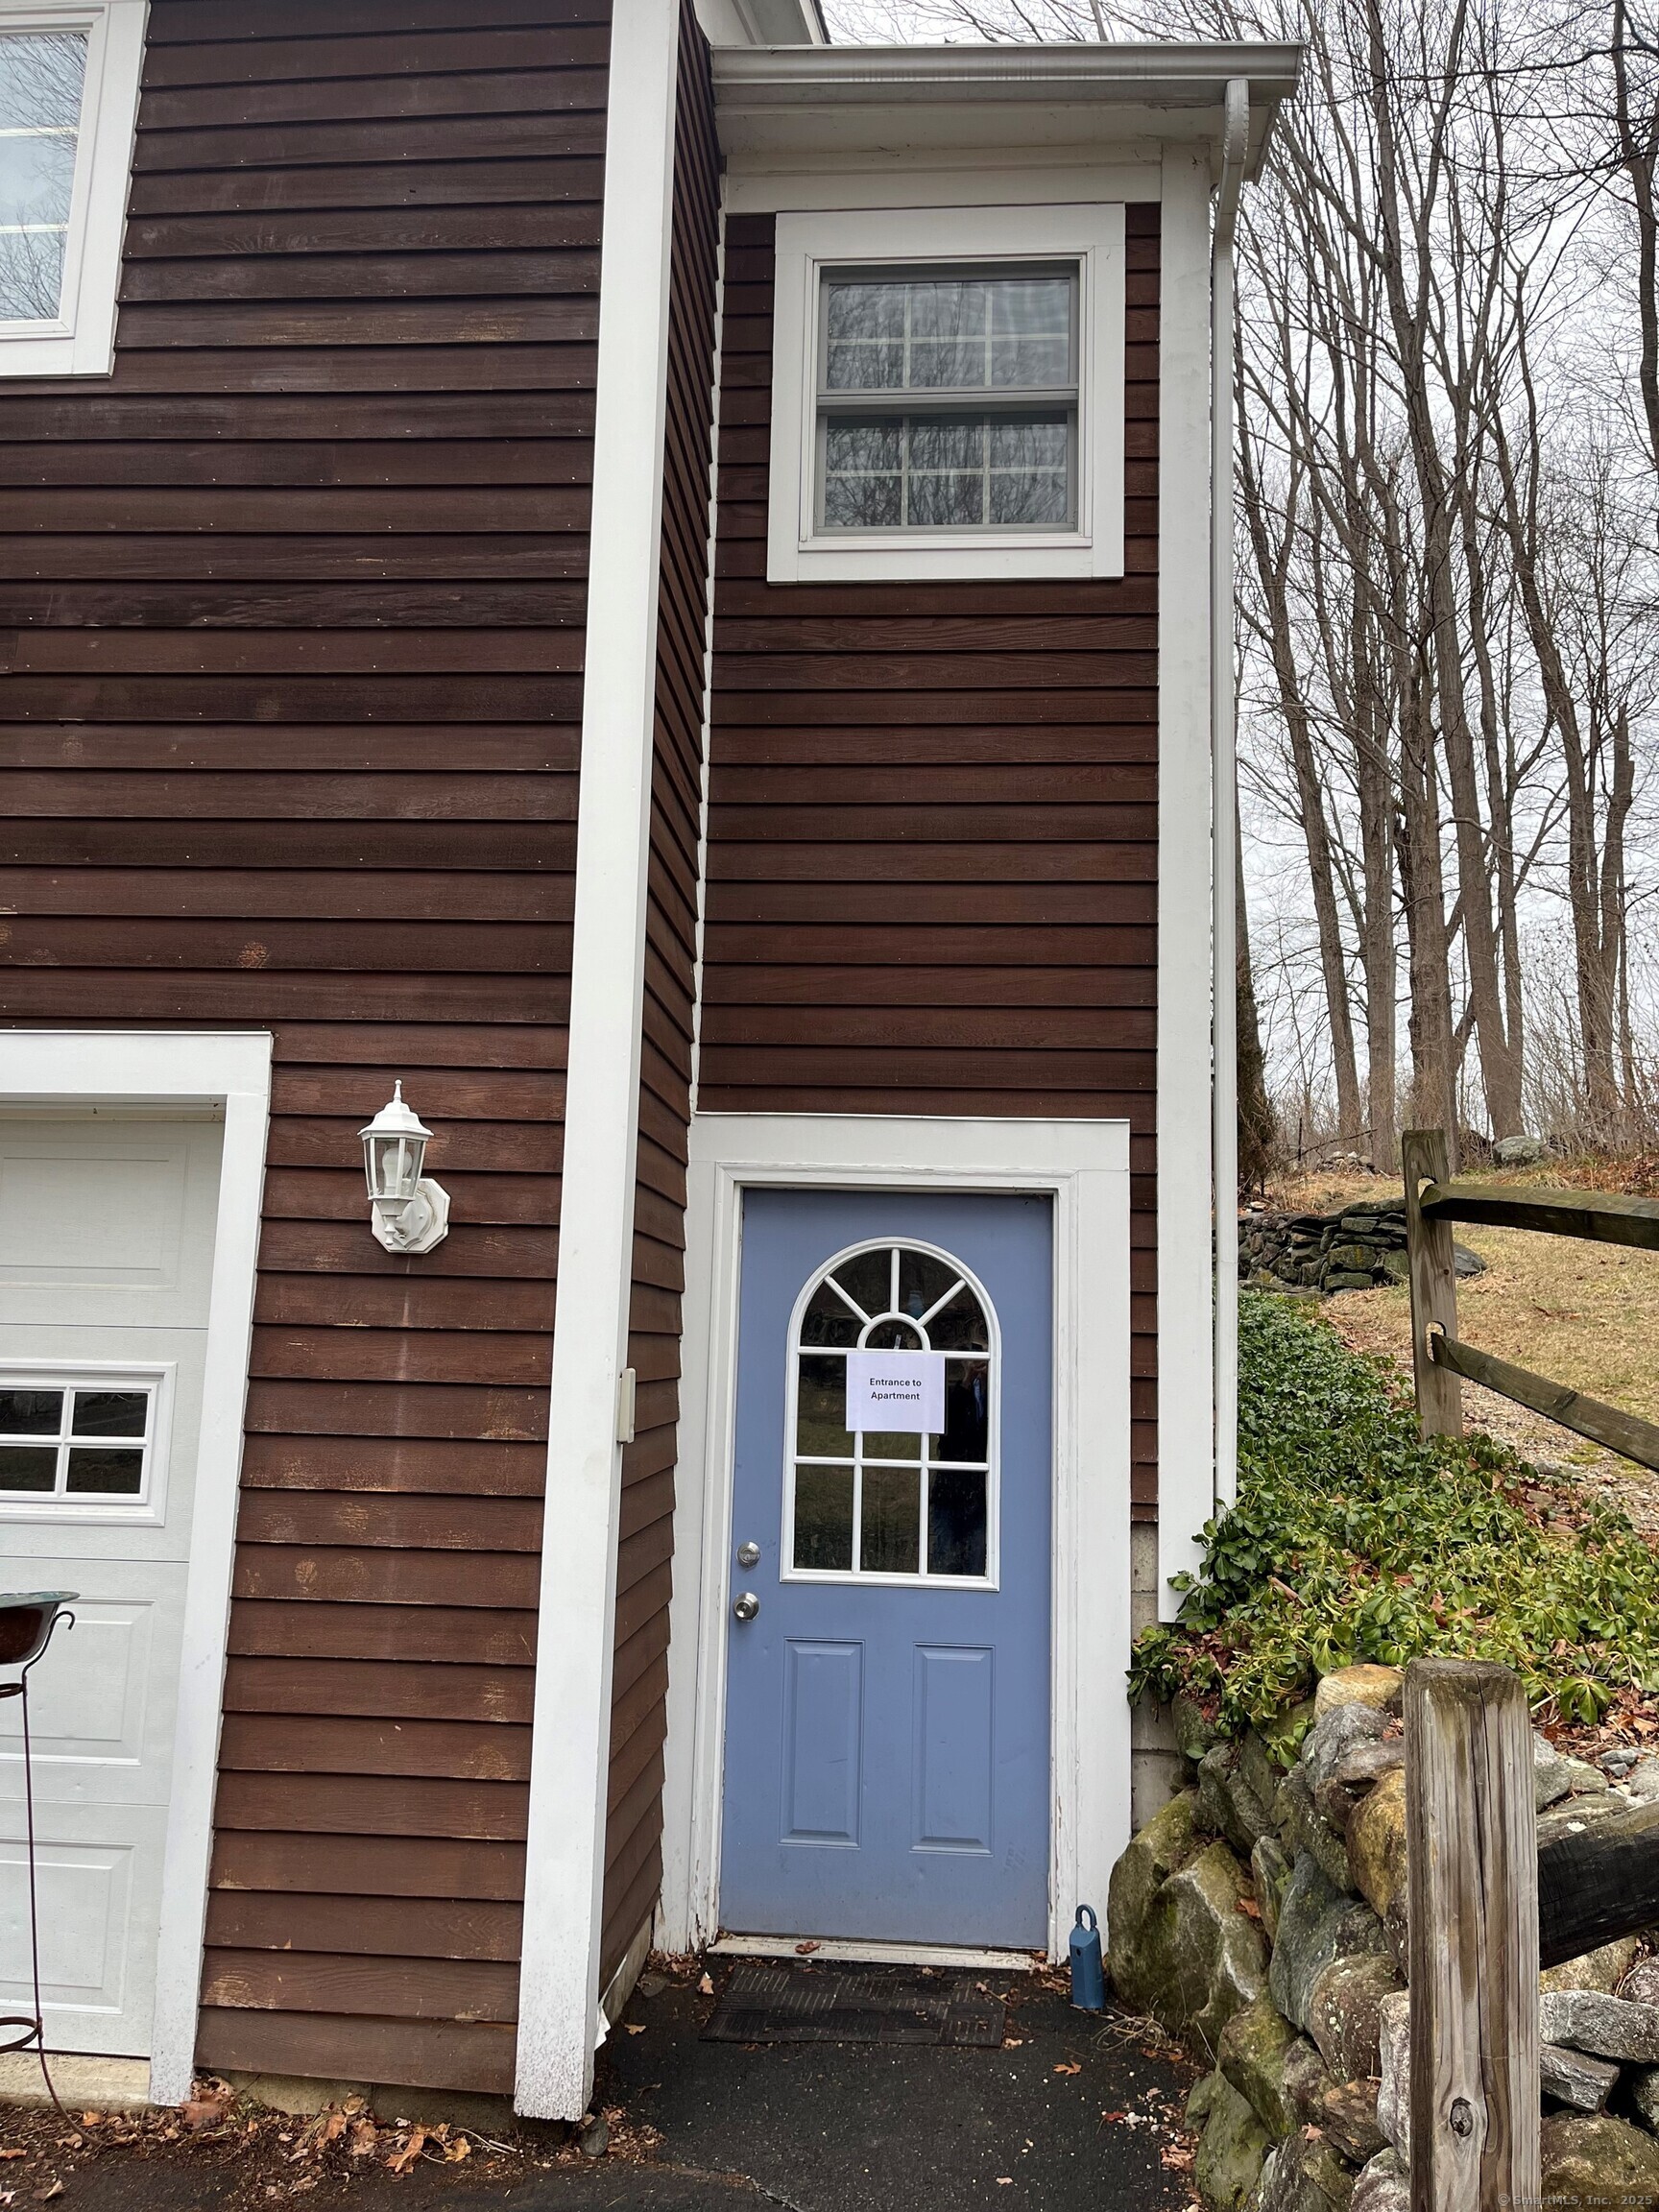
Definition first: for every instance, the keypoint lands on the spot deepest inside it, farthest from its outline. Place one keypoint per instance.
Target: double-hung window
(948, 394)
(68, 100)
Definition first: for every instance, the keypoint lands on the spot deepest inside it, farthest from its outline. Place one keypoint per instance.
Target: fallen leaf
(1004, 2180)
(7, 2152)
(364, 2134)
(400, 2161)
(707, 1984)
(635, 2027)
(1249, 1908)
(459, 2149)
(804, 1950)
(1072, 2067)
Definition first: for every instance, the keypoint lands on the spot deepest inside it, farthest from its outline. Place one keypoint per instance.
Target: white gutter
(1224, 790)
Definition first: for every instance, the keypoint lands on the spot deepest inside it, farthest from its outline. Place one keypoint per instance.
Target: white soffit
(799, 102)
(761, 22)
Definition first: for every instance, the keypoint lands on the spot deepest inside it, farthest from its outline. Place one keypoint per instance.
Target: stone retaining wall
(1263, 1916)
(1353, 1249)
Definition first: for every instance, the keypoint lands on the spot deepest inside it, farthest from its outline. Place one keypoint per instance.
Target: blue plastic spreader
(1088, 1967)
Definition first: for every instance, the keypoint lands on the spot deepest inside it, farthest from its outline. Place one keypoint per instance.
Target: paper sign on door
(896, 1391)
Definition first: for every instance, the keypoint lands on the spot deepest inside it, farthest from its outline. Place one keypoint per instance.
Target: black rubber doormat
(831, 2005)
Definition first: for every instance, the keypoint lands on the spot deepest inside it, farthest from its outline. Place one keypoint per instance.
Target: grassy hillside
(1351, 1540)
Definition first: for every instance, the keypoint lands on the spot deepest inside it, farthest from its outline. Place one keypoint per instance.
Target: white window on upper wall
(947, 395)
(68, 103)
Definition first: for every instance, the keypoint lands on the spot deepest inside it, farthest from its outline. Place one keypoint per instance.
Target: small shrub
(1354, 1540)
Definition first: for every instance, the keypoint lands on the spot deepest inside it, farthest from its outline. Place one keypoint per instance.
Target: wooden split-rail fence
(1440, 1360)
(1487, 1910)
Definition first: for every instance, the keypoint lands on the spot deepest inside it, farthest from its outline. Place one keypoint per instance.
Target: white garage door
(105, 1259)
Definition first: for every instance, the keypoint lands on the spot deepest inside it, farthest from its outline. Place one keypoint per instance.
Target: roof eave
(905, 96)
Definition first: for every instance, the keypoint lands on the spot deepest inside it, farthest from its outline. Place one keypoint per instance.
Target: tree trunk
(1256, 1130)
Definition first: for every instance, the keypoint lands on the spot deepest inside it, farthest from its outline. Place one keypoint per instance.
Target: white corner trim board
(564, 1856)
(1084, 1167)
(1186, 1334)
(74, 1069)
(1092, 238)
(80, 340)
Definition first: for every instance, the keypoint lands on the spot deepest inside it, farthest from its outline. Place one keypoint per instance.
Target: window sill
(899, 560)
(60, 354)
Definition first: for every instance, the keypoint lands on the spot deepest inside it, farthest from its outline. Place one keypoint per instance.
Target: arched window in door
(864, 1505)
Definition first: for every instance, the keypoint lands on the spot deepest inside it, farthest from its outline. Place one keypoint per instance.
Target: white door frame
(79, 1073)
(1084, 1167)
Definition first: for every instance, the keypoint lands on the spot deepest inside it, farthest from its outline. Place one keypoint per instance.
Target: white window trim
(82, 341)
(794, 1460)
(1084, 1167)
(1092, 236)
(178, 1072)
(149, 1507)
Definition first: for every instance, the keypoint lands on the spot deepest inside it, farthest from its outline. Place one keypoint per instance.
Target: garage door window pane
(104, 1474)
(31, 1412)
(111, 1412)
(30, 1467)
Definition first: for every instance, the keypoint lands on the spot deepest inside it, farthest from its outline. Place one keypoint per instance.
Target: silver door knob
(748, 1554)
(745, 1607)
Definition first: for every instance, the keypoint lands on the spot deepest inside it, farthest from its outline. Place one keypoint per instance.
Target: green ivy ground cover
(1352, 1540)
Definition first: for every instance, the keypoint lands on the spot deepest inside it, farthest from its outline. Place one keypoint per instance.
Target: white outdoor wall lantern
(410, 1213)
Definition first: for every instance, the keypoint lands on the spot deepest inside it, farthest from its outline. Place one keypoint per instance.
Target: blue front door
(888, 1740)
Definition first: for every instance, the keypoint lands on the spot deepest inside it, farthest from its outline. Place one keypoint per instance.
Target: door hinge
(625, 1392)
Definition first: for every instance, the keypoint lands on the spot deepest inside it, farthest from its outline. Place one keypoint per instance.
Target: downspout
(1224, 790)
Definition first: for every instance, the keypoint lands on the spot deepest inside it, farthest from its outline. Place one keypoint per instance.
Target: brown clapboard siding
(634, 1853)
(933, 832)
(292, 613)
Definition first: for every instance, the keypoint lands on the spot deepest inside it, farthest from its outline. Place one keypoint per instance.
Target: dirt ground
(1581, 1313)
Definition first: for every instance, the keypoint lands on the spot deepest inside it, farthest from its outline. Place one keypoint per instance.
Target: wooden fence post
(1432, 1254)
(1472, 1841)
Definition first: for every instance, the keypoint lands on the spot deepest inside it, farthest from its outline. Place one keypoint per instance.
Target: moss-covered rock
(1231, 2149)
(1194, 1733)
(1270, 1871)
(1344, 2014)
(1253, 2046)
(1377, 1857)
(1306, 2176)
(1166, 1843)
(1302, 1827)
(1317, 1924)
(1384, 2186)
(1380, 1687)
(1182, 1948)
(1348, 2115)
(1600, 2160)
(1228, 1802)
(1602, 1970)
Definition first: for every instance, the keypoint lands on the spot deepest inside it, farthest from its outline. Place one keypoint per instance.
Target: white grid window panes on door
(42, 81)
(88, 1440)
(901, 1507)
(948, 399)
